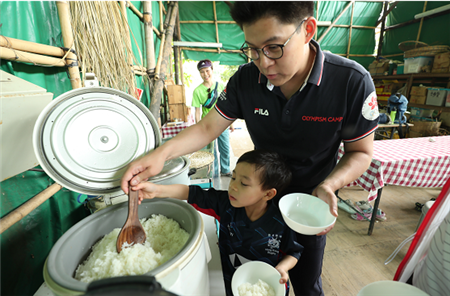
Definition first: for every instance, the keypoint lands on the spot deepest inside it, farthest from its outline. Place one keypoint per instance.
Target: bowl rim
(287, 218)
(260, 263)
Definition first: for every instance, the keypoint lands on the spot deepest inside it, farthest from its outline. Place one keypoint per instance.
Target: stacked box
(418, 64)
(436, 96)
(177, 102)
(418, 95)
(441, 63)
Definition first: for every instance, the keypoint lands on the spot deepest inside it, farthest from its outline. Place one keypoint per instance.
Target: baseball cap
(203, 64)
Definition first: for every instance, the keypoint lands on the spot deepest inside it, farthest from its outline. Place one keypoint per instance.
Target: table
(414, 162)
(384, 128)
(172, 131)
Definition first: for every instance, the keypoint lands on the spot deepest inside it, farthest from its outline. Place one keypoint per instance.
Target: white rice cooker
(84, 140)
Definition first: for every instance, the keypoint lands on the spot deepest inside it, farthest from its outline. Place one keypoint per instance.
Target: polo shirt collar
(315, 75)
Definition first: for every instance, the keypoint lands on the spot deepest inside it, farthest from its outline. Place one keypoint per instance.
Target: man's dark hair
(272, 168)
(289, 12)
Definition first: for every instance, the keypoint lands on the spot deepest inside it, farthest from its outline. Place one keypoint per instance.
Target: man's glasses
(272, 51)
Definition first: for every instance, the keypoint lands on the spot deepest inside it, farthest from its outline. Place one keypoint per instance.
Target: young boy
(251, 226)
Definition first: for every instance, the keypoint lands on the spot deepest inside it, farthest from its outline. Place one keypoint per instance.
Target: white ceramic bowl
(305, 213)
(389, 288)
(253, 271)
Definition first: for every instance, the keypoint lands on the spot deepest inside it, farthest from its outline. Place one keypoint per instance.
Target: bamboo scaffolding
(26, 208)
(32, 47)
(396, 26)
(161, 27)
(421, 21)
(177, 51)
(27, 57)
(66, 31)
(334, 22)
(391, 7)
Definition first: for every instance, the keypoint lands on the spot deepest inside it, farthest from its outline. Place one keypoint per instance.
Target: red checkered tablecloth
(414, 162)
(172, 131)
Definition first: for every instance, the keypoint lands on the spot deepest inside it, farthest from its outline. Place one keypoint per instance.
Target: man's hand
(142, 169)
(326, 194)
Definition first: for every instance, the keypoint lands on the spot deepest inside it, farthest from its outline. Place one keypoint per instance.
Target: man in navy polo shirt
(296, 100)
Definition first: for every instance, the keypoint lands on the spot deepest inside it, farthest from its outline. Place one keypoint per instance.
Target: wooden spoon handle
(133, 203)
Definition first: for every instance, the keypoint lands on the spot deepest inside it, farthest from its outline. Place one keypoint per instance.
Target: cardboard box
(442, 60)
(437, 96)
(382, 67)
(418, 91)
(445, 118)
(418, 99)
(440, 70)
(447, 99)
(178, 111)
(421, 112)
(176, 94)
(417, 64)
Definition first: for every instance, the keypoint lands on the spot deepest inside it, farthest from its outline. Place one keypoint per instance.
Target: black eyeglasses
(272, 51)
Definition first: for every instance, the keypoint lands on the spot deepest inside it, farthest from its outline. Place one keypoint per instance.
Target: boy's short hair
(272, 168)
(204, 64)
(286, 12)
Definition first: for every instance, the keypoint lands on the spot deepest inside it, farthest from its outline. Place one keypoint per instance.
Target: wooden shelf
(414, 75)
(415, 78)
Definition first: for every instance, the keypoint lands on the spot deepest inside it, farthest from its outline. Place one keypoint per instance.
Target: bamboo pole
(350, 31)
(149, 43)
(123, 6)
(334, 22)
(207, 22)
(141, 15)
(176, 51)
(27, 57)
(208, 50)
(159, 83)
(421, 22)
(32, 47)
(26, 208)
(383, 26)
(66, 31)
(215, 23)
(161, 20)
(135, 10)
(317, 17)
(391, 7)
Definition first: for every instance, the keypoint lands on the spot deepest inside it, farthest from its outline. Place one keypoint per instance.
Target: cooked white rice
(165, 238)
(261, 288)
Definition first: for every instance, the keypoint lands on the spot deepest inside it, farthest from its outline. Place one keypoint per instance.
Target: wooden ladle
(132, 231)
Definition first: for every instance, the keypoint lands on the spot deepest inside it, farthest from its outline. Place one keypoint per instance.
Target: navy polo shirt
(338, 103)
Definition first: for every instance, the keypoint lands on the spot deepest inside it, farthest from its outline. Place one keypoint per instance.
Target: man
(296, 100)
(201, 96)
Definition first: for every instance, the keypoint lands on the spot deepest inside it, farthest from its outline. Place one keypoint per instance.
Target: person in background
(200, 97)
(251, 226)
(296, 100)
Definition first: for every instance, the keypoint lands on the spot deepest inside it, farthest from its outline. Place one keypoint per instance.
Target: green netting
(435, 31)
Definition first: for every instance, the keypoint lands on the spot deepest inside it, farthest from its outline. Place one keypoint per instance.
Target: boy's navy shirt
(267, 239)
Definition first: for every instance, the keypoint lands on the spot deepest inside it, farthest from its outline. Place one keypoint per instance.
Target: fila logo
(261, 112)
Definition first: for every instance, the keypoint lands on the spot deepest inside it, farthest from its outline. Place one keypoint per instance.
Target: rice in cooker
(165, 238)
(261, 288)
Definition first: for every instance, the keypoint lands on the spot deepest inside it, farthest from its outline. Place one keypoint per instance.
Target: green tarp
(25, 246)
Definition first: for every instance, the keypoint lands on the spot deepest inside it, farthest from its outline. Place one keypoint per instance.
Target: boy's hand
(284, 275)
(147, 190)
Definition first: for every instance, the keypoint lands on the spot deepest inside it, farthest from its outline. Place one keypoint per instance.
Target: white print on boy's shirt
(273, 245)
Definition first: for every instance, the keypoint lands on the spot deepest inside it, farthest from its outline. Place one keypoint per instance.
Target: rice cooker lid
(85, 138)
(170, 168)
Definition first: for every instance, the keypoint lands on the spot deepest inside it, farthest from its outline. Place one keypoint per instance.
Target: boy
(251, 226)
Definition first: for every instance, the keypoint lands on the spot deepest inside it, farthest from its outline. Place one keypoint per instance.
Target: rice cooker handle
(192, 171)
(140, 285)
